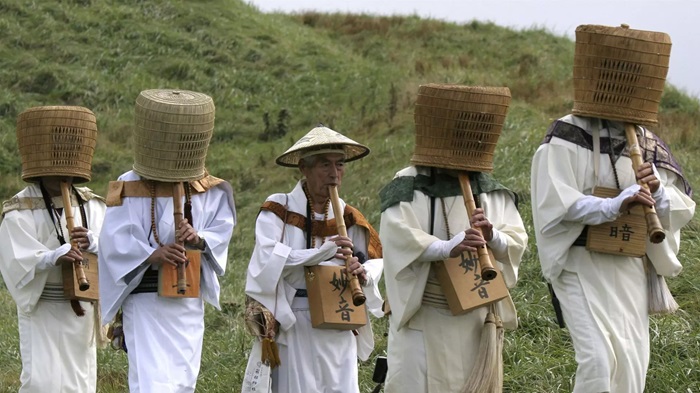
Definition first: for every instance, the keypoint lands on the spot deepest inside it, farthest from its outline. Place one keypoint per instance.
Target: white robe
(57, 347)
(163, 336)
(429, 349)
(603, 297)
(312, 360)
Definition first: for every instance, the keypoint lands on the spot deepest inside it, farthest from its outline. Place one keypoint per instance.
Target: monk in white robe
(163, 336)
(429, 349)
(604, 297)
(312, 360)
(58, 348)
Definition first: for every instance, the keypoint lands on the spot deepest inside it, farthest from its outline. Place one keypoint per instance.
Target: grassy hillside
(274, 77)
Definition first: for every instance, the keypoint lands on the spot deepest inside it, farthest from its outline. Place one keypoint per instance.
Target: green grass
(358, 74)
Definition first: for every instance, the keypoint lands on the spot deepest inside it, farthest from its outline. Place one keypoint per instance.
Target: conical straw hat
(172, 134)
(57, 141)
(619, 73)
(322, 140)
(457, 127)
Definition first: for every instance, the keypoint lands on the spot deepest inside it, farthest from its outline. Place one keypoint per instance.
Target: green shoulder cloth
(443, 185)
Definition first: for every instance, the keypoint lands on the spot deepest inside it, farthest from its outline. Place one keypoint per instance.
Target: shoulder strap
(356, 217)
(120, 189)
(50, 210)
(318, 228)
(81, 207)
(596, 153)
(22, 203)
(292, 218)
(351, 216)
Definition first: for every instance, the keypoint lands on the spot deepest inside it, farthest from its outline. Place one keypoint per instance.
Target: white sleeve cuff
(498, 243)
(369, 280)
(440, 249)
(312, 256)
(593, 210)
(663, 202)
(93, 243)
(51, 257)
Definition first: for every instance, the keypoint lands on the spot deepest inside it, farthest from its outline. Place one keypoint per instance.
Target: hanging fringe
(101, 339)
(500, 338)
(661, 301)
(270, 353)
(262, 324)
(484, 376)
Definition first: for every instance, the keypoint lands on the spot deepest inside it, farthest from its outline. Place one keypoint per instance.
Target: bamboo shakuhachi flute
(358, 297)
(83, 283)
(178, 192)
(654, 228)
(487, 270)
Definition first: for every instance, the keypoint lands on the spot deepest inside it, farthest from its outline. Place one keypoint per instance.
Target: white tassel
(661, 301)
(500, 338)
(484, 376)
(100, 332)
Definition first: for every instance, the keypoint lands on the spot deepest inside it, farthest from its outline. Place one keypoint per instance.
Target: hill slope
(357, 74)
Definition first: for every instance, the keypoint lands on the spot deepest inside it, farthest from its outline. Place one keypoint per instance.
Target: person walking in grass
(58, 336)
(424, 219)
(143, 244)
(297, 230)
(602, 265)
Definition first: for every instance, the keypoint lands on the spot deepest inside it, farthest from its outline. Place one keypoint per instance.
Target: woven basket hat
(619, 73)
(57, 141)
(457, 127)
(322, 140)
(172, 134)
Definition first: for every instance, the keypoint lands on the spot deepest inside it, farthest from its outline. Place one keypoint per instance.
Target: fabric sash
(149, 282)
(142, 189)
(653, 148)
(34, 203)
(433, 295)
(319, 228)
(441, 186)
(53, 292)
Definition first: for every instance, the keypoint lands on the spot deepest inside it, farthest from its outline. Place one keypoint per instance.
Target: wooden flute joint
(178, 193)
(488, 272)
(654, 228)
(83, 283)
(358, 296)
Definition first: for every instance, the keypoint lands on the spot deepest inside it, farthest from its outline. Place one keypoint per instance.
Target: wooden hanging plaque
(330, 299)
(167, 277)
(71, 288)
(627, 235)
(463, 286)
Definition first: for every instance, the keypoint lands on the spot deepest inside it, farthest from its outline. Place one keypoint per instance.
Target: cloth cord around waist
(433, 294)
(53, 292)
